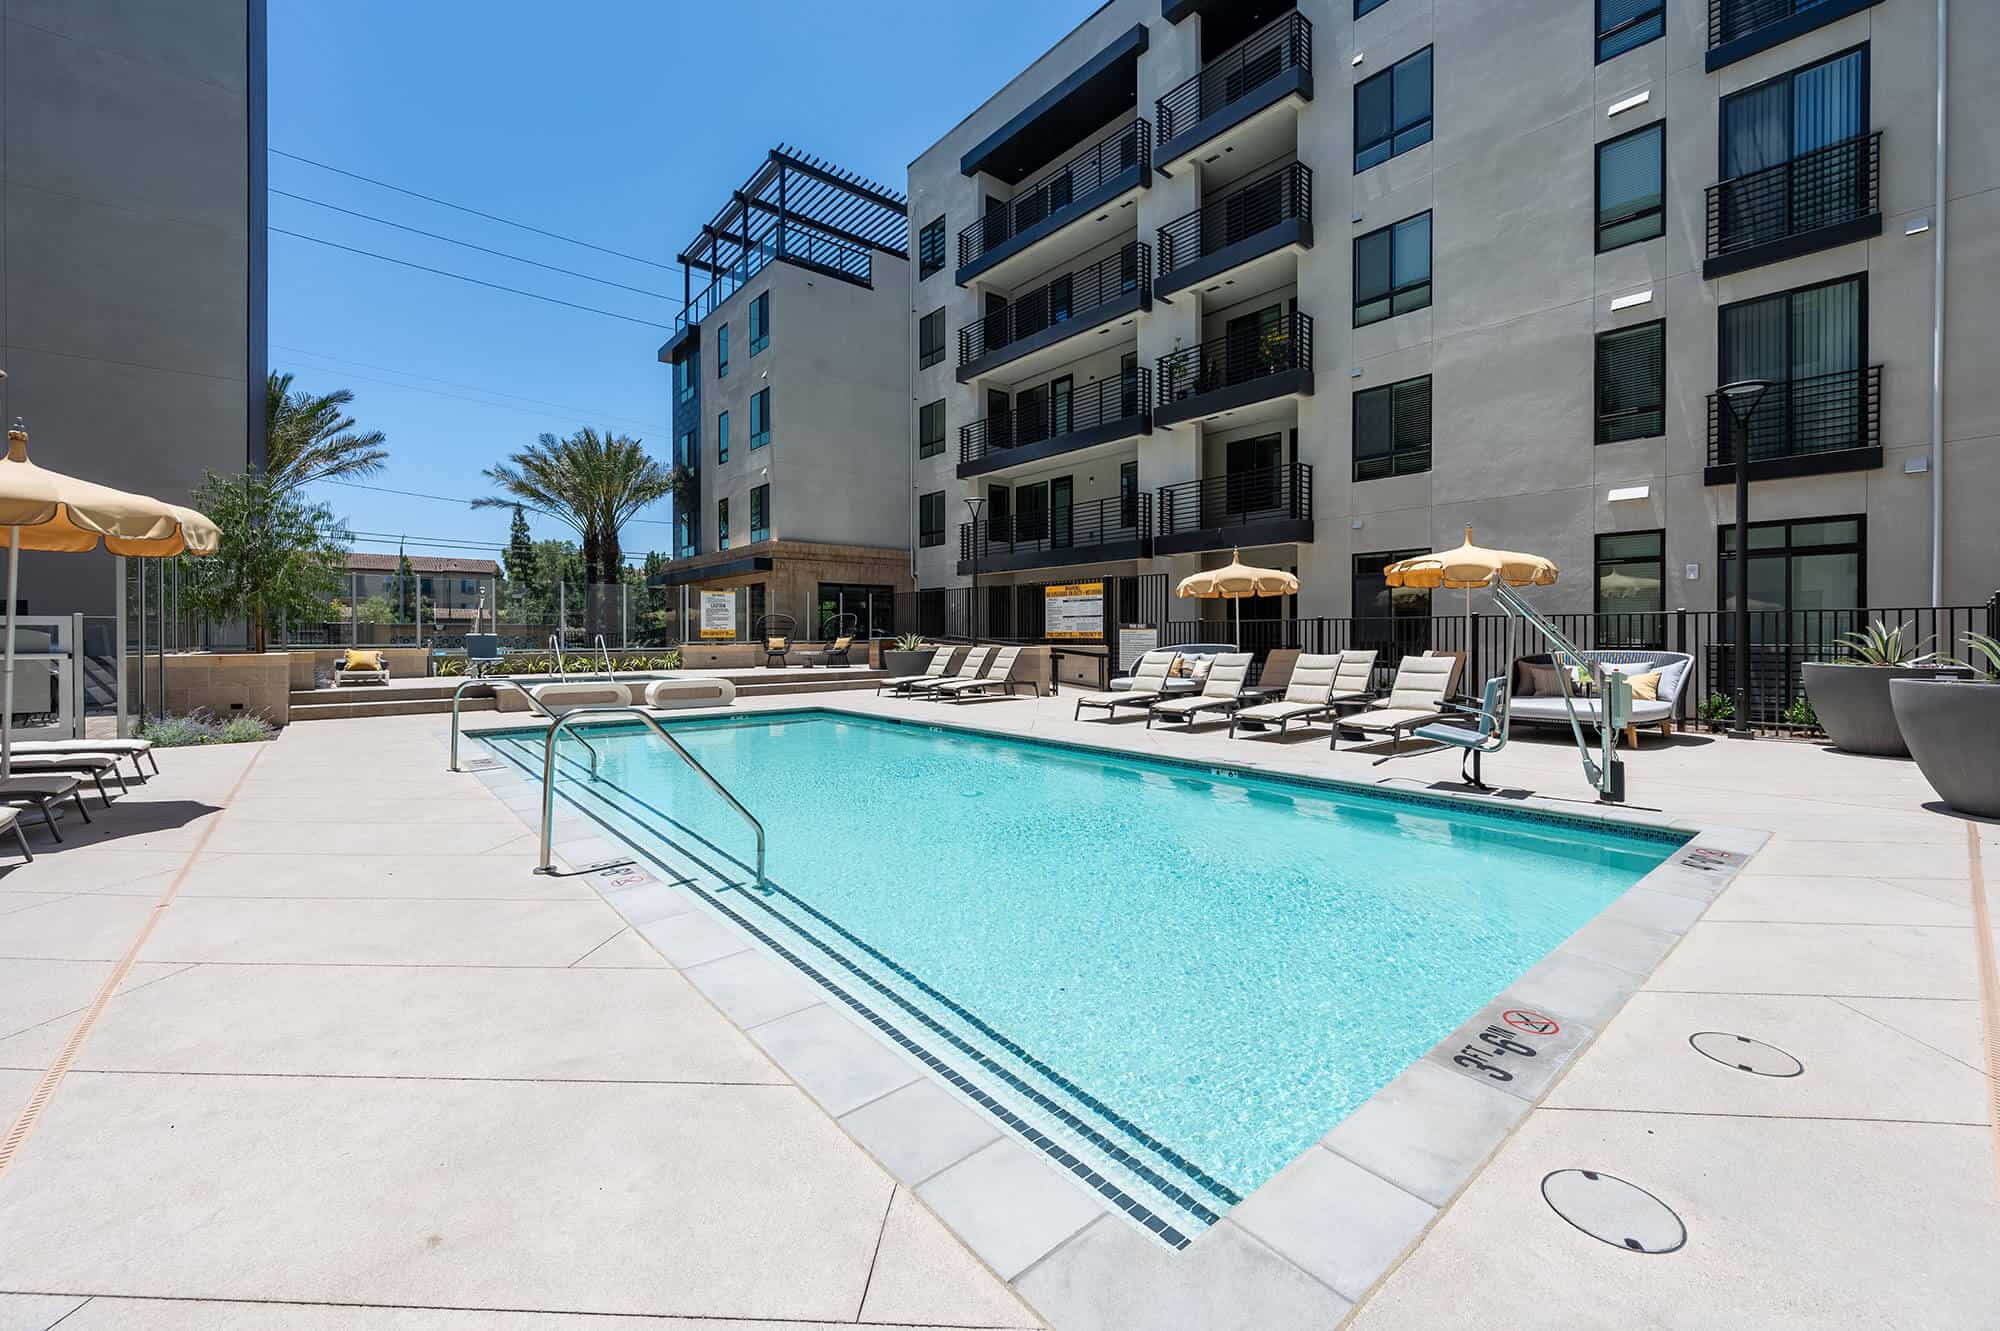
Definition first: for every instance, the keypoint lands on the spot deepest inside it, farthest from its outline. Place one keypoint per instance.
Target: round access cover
(1745, 1054)
(1613, 1211)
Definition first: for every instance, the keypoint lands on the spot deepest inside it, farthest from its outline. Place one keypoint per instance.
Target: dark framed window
(930, 248)
(722, 352)
(1392, 110)
(1367, 6)
(1392, 270)
(722, 524)
(1632, 382)
(760, 323)
(687, 371)
(1395, 621)
(1128, 494)
(760, 418)
(1811, 344)
(930, 429)
(1631, 587)
(760, 513)
(1392, 429)
(1631, 188)
(930, 518)
(1816, 118)
(722, 437)
(1810, 569)
(1625, 24)
(687, 450)
(930, 339)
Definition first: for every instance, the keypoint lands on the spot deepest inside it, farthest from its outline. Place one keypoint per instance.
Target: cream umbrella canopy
(46, 510)
(1471, 566)
(1236, 580)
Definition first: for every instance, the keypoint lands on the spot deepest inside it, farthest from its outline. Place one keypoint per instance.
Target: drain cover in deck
(1745, 1054)
(1613, 1211)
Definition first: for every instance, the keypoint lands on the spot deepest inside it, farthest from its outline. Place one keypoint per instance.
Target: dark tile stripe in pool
(1105, 1187)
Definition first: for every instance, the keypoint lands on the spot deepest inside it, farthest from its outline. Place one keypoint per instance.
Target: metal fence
(1283, 195)
(1237, 358)
(1112, 155)
(1067, 296)
(1841, 182)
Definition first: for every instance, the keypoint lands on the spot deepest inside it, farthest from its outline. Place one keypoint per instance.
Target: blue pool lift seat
(1483, 729)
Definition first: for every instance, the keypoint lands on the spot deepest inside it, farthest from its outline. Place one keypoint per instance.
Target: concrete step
(402, 692)
(385, 705)
(843, 684)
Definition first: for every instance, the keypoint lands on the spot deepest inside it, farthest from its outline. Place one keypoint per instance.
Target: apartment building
(790, 396)
(1330, 282)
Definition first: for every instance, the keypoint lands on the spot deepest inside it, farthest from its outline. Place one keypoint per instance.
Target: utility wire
(516, 291)
(497, 406)
(501, 254)
(453, 499)
(491, 217)
(449, 383)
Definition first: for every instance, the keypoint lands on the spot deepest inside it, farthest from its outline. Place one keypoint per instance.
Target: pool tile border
(1579, 985)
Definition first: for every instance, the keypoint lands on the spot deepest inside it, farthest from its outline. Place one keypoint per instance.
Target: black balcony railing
(1821, 188)
(1237, 358)
(1115, 153)
(1072, 296)
(1825, 413)
(1081, 526)
(1127, 396)
(1283, 195)
(1237, 498)
(1730, 19)
(1284, 45)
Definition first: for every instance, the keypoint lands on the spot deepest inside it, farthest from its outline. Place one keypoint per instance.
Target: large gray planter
(1852, 704)
(899, 663)
(1953, 730)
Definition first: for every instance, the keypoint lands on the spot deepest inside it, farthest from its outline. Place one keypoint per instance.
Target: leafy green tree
(405, 593)
(281, 558)
(310, 437)
(374, 610)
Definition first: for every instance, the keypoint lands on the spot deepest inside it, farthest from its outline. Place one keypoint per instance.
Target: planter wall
(1953, 730)
(1852, 703)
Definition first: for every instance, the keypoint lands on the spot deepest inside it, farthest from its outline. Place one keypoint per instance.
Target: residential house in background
(457, 594)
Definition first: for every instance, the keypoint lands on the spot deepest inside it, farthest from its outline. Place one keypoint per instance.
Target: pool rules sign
(1073, 610)
(718, 614)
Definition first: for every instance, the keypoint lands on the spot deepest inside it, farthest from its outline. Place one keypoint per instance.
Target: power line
(454, 499)
(585, 412)
(588, 309)
(502, 254)
(491, 217)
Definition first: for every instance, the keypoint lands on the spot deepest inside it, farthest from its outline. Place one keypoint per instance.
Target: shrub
(179, 732)
(245, 730)
(1717, 707)
(450, 667)
(1799, 712)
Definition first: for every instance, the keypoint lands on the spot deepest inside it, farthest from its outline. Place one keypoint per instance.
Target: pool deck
(368, 1070)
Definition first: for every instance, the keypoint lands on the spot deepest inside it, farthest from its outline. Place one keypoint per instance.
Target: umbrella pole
(7, 688)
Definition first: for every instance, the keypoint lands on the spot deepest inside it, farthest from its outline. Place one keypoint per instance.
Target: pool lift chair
(1487, 733)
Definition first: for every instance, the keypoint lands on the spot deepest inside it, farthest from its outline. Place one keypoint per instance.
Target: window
(722, 352)
(760, 323)
(1811, 344)
(1395, 621)
(760, 513)
(1632, 588)
(1392, 270)
(1816, 117)
(686, 369)
(722, 437)
(1630, 169)
(1367, 6)
(1392, 110)
(1806, 570)
(1632, 383)
(1392, 430)
(1624, 24)
(760, 418)
(1128, 494)
(930, 429)
(930, 248)
(930, 518)
(930, 339)
(687, 450)
(722, 524)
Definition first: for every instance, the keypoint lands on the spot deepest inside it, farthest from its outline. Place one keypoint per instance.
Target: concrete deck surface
(368, 1071)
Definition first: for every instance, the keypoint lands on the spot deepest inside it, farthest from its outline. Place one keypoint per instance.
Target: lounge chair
(10, 821)
(1487, 733)
(1319, 686)
(1275, 676)
(999, 677)
(940, 662)
(45, 792)
(361, 666)
(1219, 694)
(92, 764)
(835, 652)
(1146, 685)
(969, 669)
(1192, 654)
(1416, 697)
(135, 749)
(775, 633)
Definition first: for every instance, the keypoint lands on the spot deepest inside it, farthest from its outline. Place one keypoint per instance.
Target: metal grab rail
(601, 651)
(547, 864)
(534, 704)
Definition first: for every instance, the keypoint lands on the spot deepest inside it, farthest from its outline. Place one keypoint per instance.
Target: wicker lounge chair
(1220, 694)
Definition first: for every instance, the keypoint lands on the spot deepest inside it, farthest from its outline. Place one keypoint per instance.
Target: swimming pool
(1173, 979)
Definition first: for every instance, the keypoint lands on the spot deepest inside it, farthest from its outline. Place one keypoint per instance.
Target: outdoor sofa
(1538, 693)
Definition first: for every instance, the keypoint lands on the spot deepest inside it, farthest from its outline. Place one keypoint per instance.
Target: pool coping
(1329, 1225)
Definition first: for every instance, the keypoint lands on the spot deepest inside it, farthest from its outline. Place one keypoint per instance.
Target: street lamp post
(977, 503)
(1740, 400)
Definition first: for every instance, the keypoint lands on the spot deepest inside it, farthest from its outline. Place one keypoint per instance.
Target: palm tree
(593, 484)
(310, 437)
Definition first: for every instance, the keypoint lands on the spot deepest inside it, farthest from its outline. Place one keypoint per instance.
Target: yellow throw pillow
(779, 644)
(1646, 687)
(360, 660)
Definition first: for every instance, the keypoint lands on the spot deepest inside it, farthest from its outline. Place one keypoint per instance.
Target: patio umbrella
(46, 510)
(1470, 566)
(1236, 580)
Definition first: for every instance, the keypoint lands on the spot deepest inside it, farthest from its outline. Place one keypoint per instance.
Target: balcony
(1031, 330)
(1106, 412)
(1009, 238)
(1101, 531)
(1269, 216)
(1267, 506)
(1826, 197)
(1235, 371)
(1738, 28)
(1804, 427)
(1232, 94)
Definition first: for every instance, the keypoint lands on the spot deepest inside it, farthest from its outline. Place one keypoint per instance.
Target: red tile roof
(360, 563)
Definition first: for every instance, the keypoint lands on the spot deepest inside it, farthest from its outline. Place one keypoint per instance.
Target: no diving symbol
(1532, 1022)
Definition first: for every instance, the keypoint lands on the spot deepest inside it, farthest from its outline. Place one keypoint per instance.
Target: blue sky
(623, 124)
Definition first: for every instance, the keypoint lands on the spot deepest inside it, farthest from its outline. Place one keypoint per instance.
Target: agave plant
(1984, 657)
(1881, 645)
(910, 642)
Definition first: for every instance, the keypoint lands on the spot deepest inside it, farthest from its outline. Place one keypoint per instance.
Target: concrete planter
(899, 662)
(1852, 703)
(1953, 730)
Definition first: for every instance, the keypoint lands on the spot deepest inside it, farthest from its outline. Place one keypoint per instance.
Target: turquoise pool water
(1175, 978)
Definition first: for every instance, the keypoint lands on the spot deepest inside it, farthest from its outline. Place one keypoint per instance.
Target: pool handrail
(534, 704)
(547, 862)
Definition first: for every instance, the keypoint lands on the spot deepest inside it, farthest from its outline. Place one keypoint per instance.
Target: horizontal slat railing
(1093, 523)
(1117, 152)
(1235, 359)
(1070, 296)
(1235, 499)
(1285, 44)
(1125, 396)
(1277, 196)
